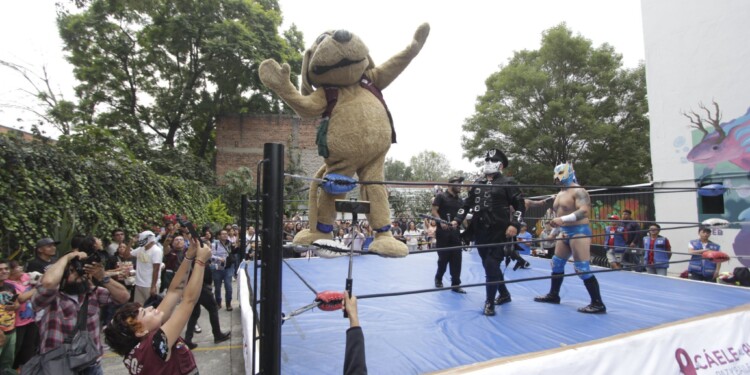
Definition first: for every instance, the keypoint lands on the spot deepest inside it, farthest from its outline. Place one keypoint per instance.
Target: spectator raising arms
(149, 338)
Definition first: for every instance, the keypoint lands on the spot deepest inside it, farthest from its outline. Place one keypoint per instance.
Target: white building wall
(697, 51)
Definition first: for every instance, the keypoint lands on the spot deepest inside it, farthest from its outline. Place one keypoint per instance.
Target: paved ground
(213, 359)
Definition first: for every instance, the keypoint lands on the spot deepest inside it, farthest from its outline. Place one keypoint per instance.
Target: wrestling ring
(653, 324)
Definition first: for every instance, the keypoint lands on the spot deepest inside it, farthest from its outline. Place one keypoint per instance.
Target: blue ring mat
(434, 331)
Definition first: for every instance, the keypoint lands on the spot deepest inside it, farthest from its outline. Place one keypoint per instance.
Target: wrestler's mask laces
(564, 174)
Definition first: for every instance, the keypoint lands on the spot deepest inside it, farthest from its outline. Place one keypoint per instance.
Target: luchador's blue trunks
(573, 230)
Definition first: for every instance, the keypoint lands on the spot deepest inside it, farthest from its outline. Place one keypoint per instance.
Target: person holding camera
(149, 337)
(222, 267)
(64, 289)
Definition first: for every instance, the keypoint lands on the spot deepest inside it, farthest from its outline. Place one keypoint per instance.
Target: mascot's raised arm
(342, 85)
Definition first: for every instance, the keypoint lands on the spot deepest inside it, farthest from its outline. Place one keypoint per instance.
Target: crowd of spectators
(40, 300)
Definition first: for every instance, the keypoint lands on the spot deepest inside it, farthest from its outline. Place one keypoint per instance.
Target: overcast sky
(432, 97)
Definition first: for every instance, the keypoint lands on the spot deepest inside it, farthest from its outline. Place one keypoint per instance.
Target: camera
(191, 228)
(78, 264)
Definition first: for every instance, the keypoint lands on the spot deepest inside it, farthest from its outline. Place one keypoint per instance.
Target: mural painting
(721, 154)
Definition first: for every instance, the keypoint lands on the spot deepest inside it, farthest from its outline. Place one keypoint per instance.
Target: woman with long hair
(412, 235)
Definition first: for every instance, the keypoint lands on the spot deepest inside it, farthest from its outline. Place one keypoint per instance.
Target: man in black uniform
(491, 222)
(446, 206)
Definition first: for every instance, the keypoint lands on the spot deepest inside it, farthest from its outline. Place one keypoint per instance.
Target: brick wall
(240, 140)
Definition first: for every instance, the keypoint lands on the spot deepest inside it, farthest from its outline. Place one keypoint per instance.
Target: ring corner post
(271, 258)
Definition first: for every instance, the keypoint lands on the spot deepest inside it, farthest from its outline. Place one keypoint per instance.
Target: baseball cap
(614, 217)
(145, 238)
(46, 241)
(456, 179)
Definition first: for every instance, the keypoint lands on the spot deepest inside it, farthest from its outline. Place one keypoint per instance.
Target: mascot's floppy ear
(306, 88)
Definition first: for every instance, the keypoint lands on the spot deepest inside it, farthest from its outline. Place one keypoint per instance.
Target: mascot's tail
(312, 210)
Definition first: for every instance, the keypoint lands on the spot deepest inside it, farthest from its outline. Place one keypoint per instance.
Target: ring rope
(636, 221)
(433, 183)
(419, 291)
(315, 292)
(362, 252)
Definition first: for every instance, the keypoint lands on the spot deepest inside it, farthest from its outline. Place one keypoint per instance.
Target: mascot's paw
(330, 249)
(388, 247)
(307, 237)
(273, 75)
(420, 36)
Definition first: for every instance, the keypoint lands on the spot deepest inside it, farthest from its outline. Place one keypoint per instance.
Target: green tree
(567, 101)
(236, 183)
(163, 72)
(429, 166)
(396, 170)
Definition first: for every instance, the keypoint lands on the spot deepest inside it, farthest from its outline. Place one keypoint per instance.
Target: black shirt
(39, 265)
(448, 205)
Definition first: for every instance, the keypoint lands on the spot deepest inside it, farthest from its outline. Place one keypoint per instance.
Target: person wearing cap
(46, 248)
(490, 201)
(446, 206)
(571, 207)
(614, 242)
(148, 256)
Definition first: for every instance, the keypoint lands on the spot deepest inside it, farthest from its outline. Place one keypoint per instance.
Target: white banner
(717, 344)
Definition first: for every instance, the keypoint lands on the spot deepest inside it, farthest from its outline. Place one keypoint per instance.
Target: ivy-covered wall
(45, 188)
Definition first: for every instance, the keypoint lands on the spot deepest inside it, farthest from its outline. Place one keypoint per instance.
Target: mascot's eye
(320, 38)
(715, 148)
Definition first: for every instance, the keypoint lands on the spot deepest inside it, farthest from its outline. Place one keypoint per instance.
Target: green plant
(48, 190)
(217, 212)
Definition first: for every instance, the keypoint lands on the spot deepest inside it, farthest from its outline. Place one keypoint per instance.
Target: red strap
(332, 97)
(367, 84)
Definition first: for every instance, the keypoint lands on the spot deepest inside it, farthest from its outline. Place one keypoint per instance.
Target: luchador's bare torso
(569, 200)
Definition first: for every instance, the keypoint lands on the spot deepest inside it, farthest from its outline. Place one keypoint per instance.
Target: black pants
(448, 238)
(492, 257)
(206, 299)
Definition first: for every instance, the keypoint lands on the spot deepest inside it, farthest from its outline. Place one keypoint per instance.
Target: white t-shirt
(412, 237)
(358, 241)
(145, 260)
(112, 248)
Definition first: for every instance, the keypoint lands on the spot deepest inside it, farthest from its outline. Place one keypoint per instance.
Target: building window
(711, 205)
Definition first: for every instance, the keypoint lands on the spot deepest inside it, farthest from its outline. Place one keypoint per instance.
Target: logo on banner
(726, 360)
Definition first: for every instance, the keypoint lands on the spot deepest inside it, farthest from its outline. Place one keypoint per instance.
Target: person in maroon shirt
(149, 337)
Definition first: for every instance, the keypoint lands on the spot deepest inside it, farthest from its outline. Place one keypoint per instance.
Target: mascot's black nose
(342, 36)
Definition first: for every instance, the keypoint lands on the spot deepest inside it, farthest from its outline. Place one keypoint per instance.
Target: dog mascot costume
(341, 84)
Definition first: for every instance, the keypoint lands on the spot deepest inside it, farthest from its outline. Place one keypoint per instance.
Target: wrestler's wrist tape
(570, 218)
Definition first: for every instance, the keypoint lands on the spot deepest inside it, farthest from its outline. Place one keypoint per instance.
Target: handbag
(78, 352)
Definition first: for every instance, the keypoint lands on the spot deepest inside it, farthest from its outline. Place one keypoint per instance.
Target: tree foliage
(567, 101)
(237, 183)
(46, 187)
(429, 166)
(164, 71)
(396, 170)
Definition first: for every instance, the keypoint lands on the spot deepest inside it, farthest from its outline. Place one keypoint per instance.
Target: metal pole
(271, 258)
(243, 228)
